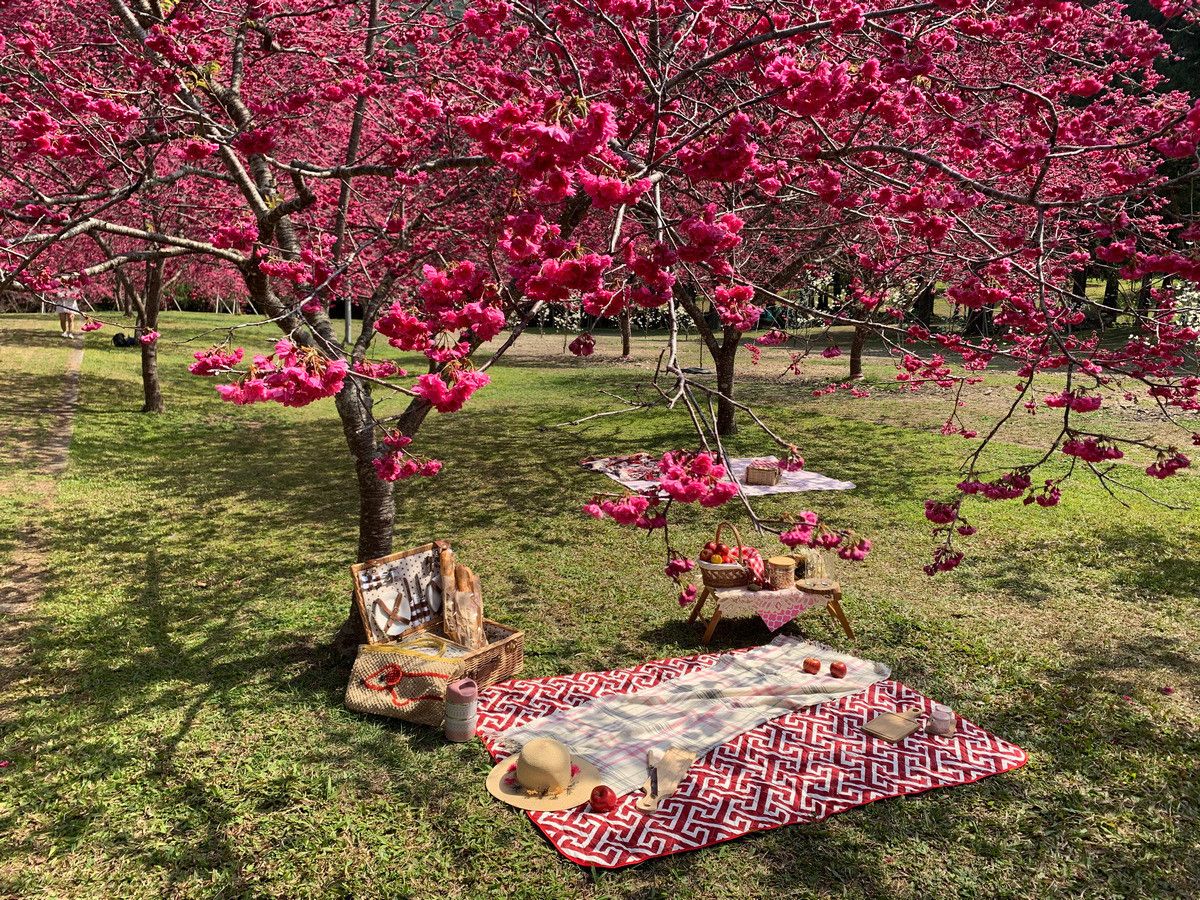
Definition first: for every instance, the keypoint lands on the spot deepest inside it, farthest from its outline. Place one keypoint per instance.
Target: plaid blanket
(698, 711)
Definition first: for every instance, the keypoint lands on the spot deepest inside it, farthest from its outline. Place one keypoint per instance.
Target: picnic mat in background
(639, 471)
(800, 767)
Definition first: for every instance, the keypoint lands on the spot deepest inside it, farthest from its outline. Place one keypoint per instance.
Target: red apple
(812, 665)
(604, 799)
(837, 669)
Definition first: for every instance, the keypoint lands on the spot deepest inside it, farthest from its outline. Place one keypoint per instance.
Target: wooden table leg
(835, 610)
(712, 625)
(699, 604)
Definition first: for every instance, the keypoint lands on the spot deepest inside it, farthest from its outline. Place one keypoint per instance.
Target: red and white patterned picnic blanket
(698, 711)
(797, 768)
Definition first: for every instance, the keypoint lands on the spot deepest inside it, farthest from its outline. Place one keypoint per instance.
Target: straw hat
(544, 776)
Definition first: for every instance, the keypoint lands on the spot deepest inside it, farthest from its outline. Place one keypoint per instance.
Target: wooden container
(781, 572)
(401, 595)
(725, 575)
(763, 474)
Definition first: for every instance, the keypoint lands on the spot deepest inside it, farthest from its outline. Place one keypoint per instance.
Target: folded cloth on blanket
(697, 711)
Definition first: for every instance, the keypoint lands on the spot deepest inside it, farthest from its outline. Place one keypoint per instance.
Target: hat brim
(579, 793)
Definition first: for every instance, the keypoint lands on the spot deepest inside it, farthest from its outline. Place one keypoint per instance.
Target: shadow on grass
(1140, 562)
(144, 666)
(30, 405)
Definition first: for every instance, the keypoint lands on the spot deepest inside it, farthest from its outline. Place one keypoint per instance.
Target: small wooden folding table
(810, 594)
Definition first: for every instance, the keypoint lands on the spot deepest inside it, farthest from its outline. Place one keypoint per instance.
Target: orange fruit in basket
(717, 559)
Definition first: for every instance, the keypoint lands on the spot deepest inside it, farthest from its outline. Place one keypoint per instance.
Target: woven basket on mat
(725, 575)
(766, 475)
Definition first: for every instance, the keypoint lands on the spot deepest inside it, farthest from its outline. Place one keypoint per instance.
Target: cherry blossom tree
(457, 170)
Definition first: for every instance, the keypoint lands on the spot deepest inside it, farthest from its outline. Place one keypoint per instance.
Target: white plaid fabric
(699, 711)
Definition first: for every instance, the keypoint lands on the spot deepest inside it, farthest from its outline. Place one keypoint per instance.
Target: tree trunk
(151, 302)
(723, 361)
(923, 305)
(626, 334)
(376, 498)
(979, 322)
(1144, 299)
(1079, 282)
(856, 349)
(1112, 291)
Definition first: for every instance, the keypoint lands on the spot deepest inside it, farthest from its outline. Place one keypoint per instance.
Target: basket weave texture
(763, 475)
(411, 686)
(501, 659)
(725, 575)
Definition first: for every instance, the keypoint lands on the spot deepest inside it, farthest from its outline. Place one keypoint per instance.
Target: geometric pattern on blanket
(801, 767)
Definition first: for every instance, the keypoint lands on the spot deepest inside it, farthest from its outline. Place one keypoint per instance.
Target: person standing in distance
(66, 305)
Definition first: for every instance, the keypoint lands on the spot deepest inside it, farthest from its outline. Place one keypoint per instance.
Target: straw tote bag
(406, 682)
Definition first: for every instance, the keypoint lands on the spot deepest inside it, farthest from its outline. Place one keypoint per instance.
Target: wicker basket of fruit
(718, 564)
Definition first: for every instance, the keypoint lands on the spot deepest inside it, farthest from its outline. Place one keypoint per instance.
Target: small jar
(941, 722)
(462, 710)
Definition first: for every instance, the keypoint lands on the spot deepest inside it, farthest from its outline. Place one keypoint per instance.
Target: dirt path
(23, 577)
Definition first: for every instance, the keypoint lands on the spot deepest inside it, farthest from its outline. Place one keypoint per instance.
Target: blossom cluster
(215, 359)
(1091, 450)
(450, 396)
(689, 477)
(292, 375)
(384, 368)
(808, 530)
(397, 464)
(1007, 487)
(584, 345)
(944, 560)
(459, 298)
(1166, 466)
(1075, 400)
(629, 510)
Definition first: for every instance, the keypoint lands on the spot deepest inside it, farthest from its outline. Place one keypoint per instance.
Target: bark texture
(856, 350)
(148, 321)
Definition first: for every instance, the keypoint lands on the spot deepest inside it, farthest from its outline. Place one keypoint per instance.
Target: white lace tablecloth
(740, 602)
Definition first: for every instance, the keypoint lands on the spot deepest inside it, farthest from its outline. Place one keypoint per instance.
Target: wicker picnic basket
(762, 474)
(725, 575)
(400, 596)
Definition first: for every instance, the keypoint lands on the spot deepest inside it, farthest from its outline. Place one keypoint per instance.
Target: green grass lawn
(173, 724)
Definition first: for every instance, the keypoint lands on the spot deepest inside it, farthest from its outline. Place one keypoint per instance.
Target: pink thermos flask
(462, 708)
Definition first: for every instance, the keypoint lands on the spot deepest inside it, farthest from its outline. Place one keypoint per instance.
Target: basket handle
(737, 535)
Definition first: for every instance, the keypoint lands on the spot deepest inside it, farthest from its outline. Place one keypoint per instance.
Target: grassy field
(172, 721)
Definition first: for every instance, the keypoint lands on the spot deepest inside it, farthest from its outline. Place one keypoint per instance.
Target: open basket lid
(399, 593)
